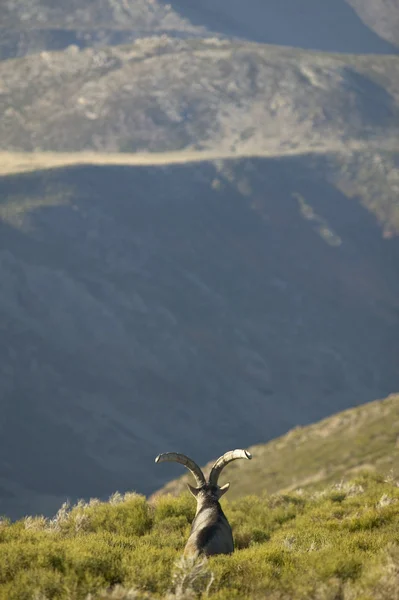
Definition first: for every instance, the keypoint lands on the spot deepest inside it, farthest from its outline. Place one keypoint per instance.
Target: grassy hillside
(322, 538)
(366, 437)
(339, 543)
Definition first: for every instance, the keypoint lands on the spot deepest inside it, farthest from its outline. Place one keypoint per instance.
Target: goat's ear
(223, 489)
(194, 491)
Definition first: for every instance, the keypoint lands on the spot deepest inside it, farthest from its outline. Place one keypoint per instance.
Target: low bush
(337, 544)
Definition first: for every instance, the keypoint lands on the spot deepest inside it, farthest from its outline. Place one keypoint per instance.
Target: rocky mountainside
(381, 16)
(241, 282)
(144, 306)
(164, 94)
(367, 26)
(331, 26)
(365, 438)
(37, 25)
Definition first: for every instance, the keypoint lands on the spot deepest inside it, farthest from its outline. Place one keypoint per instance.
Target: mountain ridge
(364, 438)
(113, 99)
(353, 26)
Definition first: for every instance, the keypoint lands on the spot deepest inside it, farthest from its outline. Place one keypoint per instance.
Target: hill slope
(366, 437)
(144, 303)
(367, 26)
(381, 16)
(338, 543)
(141, 305)
(332, 26)
(33, 26)
(164, 94)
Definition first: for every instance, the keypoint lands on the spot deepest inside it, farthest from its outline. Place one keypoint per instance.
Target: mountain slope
(381, 16)
(164, 94)
(243, 291)
(37, 25)
(141, 305)
(366, 437)
(338, 543)
(335, 26)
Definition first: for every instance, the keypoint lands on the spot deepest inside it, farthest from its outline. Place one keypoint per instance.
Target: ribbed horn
(223, 461)
(187, 462)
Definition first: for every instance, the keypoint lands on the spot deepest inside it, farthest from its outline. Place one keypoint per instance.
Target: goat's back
(210, 533)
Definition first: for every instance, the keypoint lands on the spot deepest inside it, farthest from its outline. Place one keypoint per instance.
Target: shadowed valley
(144, 305)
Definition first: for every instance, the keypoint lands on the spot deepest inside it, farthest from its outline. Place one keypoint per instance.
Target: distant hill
(367, 26)
(362, 438)
(195, 306)
(355, 26)
(382, 16)
(28, 27)
(164, 94)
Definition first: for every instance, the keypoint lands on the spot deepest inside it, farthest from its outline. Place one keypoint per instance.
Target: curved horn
(187, 462)
(223, 461)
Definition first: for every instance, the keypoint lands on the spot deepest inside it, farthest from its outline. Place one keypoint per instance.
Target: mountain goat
(210, 531)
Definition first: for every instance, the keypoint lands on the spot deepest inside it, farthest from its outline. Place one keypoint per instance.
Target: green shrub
(340, 543)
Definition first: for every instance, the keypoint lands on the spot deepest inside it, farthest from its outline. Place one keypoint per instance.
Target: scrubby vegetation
(338, 543)
(361, 438)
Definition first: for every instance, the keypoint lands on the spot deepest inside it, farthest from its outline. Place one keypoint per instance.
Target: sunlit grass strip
(20, 162)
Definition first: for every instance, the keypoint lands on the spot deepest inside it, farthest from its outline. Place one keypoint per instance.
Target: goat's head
(210, 488)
